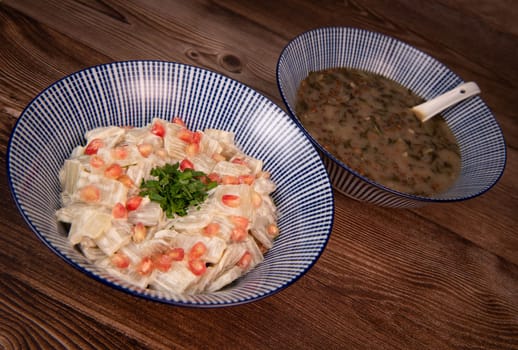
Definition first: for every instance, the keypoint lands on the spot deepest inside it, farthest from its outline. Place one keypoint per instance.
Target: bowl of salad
(170, 182)
(351, 90)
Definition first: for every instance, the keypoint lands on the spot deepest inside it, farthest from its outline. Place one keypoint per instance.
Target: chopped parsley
(177, 190)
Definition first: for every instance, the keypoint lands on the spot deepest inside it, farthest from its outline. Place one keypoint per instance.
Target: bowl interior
(479, 136)
(135, 92)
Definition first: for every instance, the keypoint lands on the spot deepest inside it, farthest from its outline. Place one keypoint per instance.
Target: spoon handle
(432, 107)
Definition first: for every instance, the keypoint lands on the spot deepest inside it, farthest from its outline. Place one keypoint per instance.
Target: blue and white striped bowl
(132, 93)
(482, 145)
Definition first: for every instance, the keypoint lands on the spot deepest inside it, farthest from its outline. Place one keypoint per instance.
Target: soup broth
(365, 121)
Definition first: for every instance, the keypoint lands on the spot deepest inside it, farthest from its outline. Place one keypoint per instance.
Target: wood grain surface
(439, 277)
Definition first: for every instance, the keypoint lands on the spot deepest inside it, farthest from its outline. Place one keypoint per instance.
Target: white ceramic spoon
(436, 105)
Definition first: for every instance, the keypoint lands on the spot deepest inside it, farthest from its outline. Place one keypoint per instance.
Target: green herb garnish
(177, 190)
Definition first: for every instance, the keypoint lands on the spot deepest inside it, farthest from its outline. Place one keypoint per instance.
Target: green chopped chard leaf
(176, 190)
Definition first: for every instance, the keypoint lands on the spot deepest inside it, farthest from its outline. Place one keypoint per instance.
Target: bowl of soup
(351, 92)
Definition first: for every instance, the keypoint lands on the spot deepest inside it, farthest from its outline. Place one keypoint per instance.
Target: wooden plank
(438, 277)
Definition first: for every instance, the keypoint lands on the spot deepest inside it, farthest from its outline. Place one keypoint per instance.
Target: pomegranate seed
(114, 171)
(133, 203)
(186, 135)
(196, 137)
(229, 180)
(192, 149)
(231, 200)
(186, 164)
(178, 121)
(126, 181)
(197, 267)
(197, 250)
(256, 199)
(212, 229)
(239, 161)
(139, 232)
(238, 234)
(120, 152)
(158, 129)
(246, 179)
(145, 149)
(214, 177)
(176, 253)
(245, 260)
(162, 154)
(94, 146)
(119, 211)
(163, 262)
(218, 157)
(240, 221)
(272, 230)
(90, 194)
(146, 266)
(120, 260)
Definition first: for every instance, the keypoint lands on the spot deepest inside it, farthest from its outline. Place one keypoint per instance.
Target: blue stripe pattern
(480, 138)
(135, 92)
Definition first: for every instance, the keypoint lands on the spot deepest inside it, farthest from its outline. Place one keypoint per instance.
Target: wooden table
(439, 277)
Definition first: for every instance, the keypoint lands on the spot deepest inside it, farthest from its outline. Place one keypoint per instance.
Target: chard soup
(365, 121)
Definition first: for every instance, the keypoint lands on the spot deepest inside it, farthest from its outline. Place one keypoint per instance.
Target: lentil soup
(365, 121)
